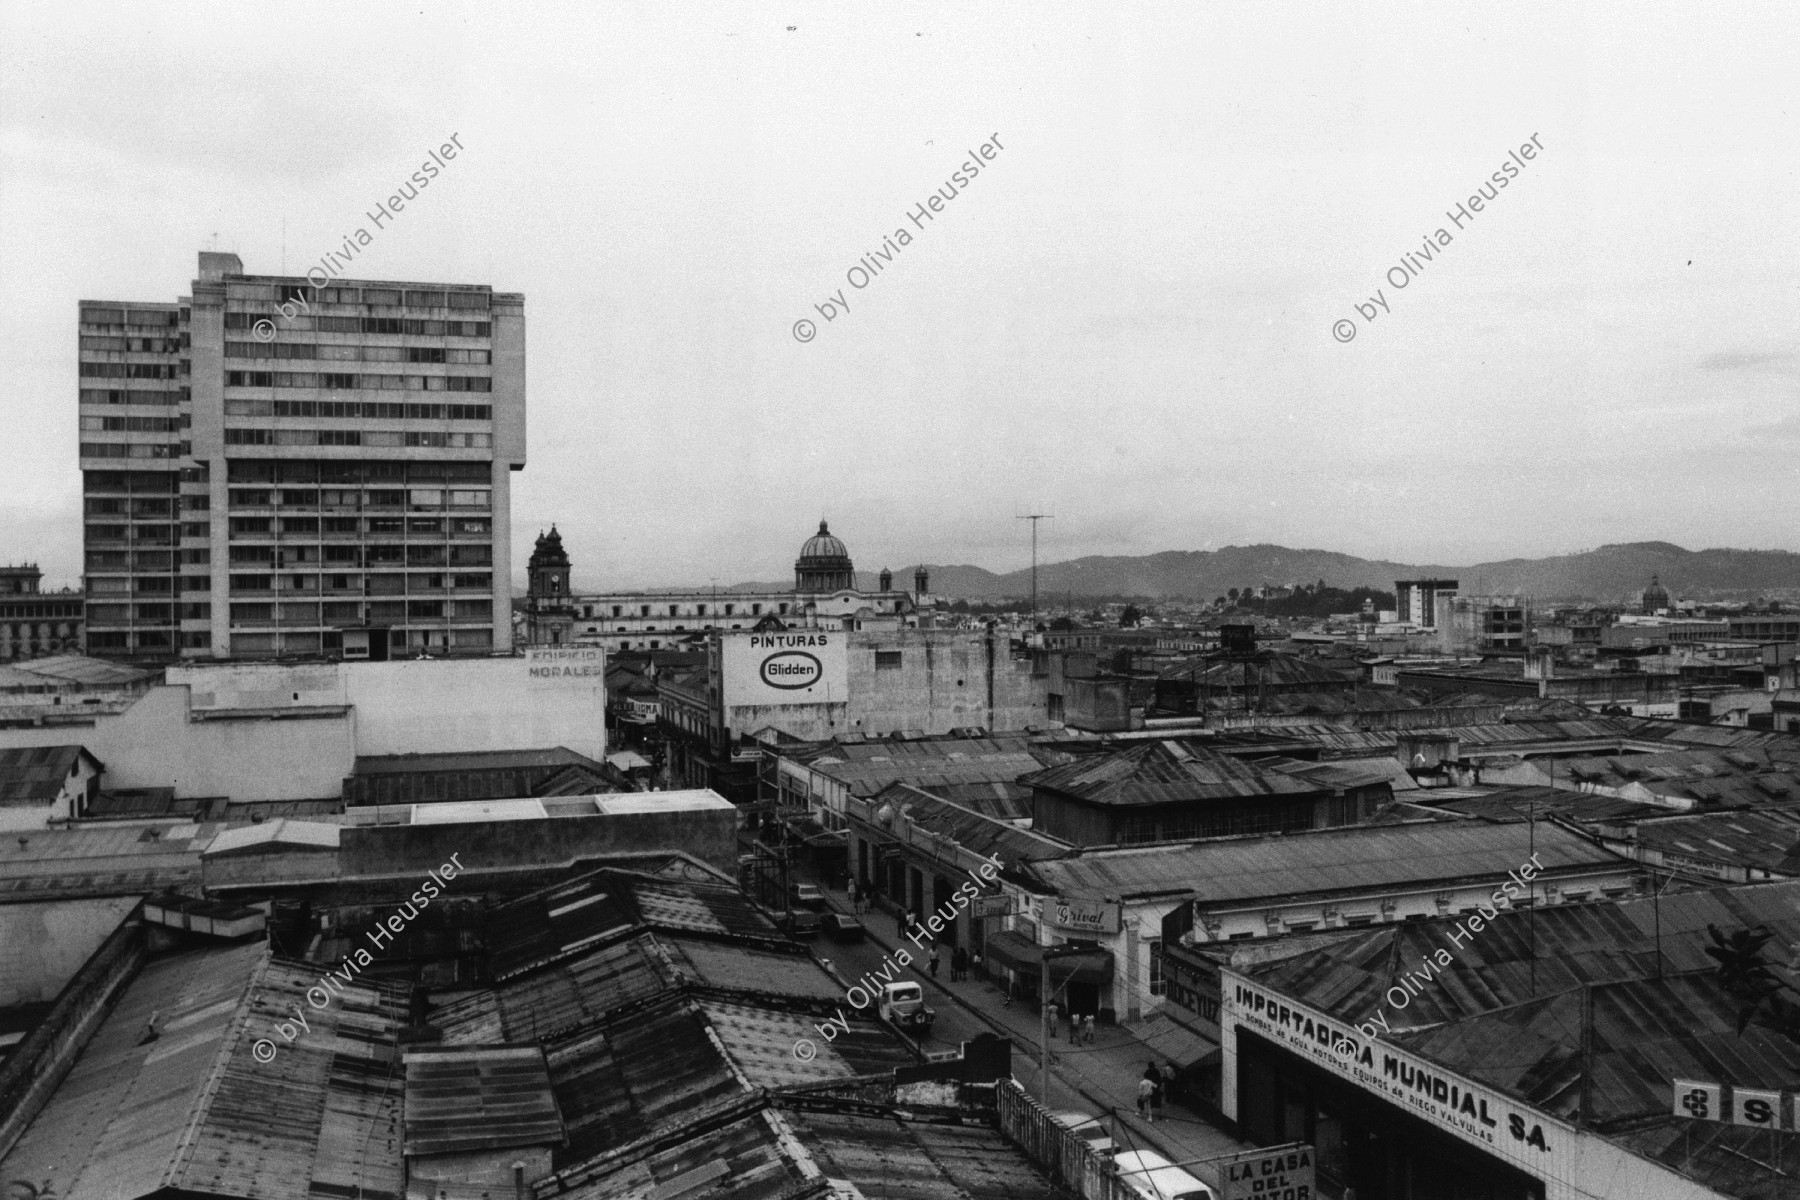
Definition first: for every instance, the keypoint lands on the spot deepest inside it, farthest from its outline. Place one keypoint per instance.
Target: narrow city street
(1099, 1079)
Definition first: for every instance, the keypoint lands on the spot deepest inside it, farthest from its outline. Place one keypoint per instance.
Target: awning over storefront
(1175, 1042)
(1012, 951)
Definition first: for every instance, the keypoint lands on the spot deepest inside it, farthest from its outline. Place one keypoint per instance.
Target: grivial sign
(796, 666)
(1084, 916)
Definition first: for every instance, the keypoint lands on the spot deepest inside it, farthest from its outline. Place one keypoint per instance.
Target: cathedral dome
(1655, 596)
(824, 564)
(823, 545)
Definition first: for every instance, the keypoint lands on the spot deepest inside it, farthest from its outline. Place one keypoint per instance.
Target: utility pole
(1044, 999)
(1034, 518)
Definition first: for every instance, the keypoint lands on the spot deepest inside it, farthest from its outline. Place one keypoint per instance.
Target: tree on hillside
(1130, 617)
(1062, 624)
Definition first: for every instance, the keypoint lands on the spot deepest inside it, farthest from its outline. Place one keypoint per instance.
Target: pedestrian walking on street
(934, 960)
(959, 965)
(1168, 1082)
(1087, 1028)
(851, 890)
(1074, 1027)
(1051, 1008)
(1145, 1090)
(1153, 1081)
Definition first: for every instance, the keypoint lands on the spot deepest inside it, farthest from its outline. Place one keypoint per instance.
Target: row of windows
(165, 533)
(118, 370)
(414, 527)
(354, 437)
(333, 353)
(117, 316)
(644, 610)
(355, 612)
(132, 450)
(135, 424)
(141, 506)
(281, 293)
(123, 614)
(392, 472)
(122, 396)
(405, 326)
(350, 408)
(132, 345)
(28, 612)
(344, 577)
(393, 584)
(416, 554)
(480, 498)
(368, 382)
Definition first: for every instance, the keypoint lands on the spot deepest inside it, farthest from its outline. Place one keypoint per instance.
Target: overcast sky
(1125, 319)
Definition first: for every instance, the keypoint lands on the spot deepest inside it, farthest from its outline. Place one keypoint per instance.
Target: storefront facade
(1397, 1126)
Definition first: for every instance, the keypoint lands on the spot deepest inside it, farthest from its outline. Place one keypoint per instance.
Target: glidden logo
(791, 670)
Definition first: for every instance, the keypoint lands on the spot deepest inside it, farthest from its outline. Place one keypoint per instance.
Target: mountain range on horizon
(1610, 573)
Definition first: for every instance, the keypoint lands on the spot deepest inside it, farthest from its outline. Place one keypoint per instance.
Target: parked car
(904, 1005)
(841, 927)
(1088, 1128)
(802, 924)
(1154, 1177)
(806, 895)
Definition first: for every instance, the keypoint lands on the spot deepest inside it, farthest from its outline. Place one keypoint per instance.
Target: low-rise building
(34, 622)
(281, 732)
(41, 786)
(1589, 1050)
(1169, 790)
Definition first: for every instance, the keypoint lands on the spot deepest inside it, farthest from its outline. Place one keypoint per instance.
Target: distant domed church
(825, 594)
(1656, 598)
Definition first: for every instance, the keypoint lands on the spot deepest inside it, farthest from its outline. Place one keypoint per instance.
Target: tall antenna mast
(1034, 518)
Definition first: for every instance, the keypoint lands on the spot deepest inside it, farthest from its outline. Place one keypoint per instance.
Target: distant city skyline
(1126, 317)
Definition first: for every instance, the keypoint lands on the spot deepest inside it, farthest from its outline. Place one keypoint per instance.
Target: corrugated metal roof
(745, 1159)
(35, 774)
(1346, 773)
(318, 1119)
(101, 860)
(556, 923)
(85, 671)
(1345, 861)
(1529, 803)
(478, 1098)
(1762, 839)
(1163, 772)
(311, 835)
(469, 760)
(1539, 952)
(115, 1125)
(983, 835)
(915, 1159)
(546, 1004)
(651, 1069)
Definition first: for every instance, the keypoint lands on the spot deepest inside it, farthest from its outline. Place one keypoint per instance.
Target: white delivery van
(1154, 1177)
